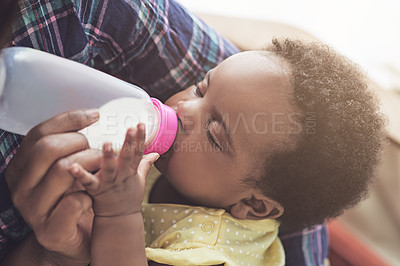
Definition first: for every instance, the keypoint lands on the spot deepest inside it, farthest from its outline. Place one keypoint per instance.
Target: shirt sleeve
(156, 44)
(306, 248)
(12, 227)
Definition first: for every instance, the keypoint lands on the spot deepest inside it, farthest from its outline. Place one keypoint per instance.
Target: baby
(290, 133)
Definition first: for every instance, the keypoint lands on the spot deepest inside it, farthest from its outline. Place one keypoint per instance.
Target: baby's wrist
(106, 207)
(118, 220)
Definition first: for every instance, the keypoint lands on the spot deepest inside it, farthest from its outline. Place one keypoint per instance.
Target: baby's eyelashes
(198, 91)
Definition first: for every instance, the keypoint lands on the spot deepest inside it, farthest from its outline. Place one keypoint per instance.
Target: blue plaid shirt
(155, 44)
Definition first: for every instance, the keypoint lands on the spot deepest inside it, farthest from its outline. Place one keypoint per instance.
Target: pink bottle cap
(167, 129)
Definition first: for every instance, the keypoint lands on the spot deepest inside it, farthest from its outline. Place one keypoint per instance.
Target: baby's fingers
(109, 165)
(132, 150)
(88, 180)
(146, 163)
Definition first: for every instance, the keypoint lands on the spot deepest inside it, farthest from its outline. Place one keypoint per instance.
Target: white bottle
(35, 86)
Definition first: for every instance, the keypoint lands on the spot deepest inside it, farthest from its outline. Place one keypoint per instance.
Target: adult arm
(308, 247)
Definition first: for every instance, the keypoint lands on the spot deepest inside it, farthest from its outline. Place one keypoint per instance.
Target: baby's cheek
(161, 165)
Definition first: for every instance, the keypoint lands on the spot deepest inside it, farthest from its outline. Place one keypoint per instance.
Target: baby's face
(238, 111)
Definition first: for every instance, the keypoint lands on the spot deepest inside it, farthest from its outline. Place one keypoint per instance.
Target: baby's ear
(257, 207)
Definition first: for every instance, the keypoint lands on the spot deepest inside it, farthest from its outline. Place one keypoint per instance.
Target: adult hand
(40, 184)
(118, 188)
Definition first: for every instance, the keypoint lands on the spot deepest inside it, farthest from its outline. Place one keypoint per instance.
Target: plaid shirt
(155, 44)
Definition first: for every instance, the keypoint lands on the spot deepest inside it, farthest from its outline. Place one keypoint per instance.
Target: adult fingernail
(141, 127)
(131, 131)
(93, 114)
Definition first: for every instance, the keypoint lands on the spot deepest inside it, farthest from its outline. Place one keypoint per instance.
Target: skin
(117, 191)
(248, 81)
(238, 88)
(42, 180)
(241, 86)
(40, 185)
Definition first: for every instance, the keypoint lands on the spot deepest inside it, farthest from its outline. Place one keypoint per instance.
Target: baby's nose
(186, 117)
(179, 107)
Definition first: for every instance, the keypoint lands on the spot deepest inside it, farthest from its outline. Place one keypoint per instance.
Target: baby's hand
(118, 188)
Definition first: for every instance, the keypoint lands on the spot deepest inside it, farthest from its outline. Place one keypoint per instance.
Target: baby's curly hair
(334, 161)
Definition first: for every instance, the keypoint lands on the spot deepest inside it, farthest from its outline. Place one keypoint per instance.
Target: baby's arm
(118, 191)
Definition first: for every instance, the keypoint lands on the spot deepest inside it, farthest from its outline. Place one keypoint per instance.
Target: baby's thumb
(147, 161)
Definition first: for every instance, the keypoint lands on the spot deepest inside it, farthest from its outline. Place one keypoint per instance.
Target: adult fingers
(68, 121)
(43, 154)
(60, 232)
(57, 182)
(65, 122)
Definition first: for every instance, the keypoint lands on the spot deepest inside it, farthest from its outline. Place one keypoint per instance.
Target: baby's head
(290, 133)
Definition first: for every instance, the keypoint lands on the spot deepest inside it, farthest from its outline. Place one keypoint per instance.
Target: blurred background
(368, 32)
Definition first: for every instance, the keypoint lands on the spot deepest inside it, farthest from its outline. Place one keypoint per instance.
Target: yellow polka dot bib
(188, 235)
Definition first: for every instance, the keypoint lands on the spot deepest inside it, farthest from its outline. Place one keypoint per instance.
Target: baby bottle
(34, 86)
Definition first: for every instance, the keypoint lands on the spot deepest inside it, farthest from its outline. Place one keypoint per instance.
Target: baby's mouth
(168, 154)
